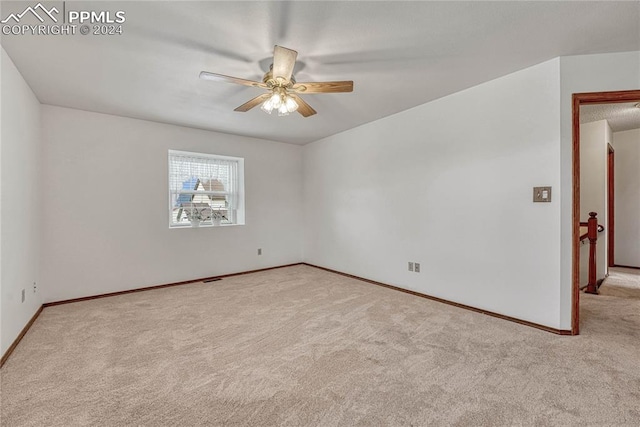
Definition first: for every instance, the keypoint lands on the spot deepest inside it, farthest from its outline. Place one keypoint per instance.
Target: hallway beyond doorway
(622, 282)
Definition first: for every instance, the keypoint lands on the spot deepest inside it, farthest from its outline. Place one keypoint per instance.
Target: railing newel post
(592, 234)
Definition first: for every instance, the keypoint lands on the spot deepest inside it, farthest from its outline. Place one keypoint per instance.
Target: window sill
(180, 227)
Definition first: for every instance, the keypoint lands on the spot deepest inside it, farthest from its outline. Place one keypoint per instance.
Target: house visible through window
(205, 189)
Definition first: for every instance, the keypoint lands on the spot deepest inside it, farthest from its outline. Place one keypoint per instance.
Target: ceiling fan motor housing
(277, 82)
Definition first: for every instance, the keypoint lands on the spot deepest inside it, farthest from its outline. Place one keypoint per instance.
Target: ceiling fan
(283, 90)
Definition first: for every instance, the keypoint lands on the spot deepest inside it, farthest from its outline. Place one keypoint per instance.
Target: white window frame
(235, 213)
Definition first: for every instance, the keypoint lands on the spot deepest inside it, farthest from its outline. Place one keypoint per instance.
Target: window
(205, 189)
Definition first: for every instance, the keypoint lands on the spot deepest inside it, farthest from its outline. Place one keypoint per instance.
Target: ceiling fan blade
(283, 62)
(205, 75)
(253, 102)
(323, 87)
(303, 108)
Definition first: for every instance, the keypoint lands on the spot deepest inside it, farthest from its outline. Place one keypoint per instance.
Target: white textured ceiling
(621, 116)
(400, 54)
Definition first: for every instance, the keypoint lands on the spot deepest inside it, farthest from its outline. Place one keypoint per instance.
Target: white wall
(20, 202)
(627, 197)
(448, 184)
(578, 74)
(2, 60)
(594, 138)
(105, 197)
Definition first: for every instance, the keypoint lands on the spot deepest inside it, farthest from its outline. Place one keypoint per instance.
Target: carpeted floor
(299, 346)
(622, 282)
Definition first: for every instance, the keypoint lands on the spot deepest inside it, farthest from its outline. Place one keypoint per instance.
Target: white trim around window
(205, 190)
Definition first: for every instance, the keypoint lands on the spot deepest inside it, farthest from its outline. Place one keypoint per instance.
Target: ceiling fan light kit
(284, 89)
(281, 101)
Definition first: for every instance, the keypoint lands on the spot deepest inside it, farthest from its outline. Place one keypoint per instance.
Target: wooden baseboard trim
(455, 304)
(167, 285)
(22, 333)
(627, 266)
(15, 343)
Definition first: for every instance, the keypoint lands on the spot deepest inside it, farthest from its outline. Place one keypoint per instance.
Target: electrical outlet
(259, 251)
(23, 295)
(34, 287)
(416, 267)
(410, 266)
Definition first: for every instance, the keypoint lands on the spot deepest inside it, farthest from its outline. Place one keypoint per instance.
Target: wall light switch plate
(541, 194)
(410, 266)
(416, 267)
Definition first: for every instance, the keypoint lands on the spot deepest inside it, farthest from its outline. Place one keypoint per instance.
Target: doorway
(579, 99)
(610, 205)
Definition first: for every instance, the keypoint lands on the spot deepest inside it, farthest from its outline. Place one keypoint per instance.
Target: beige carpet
(622, 282)
(299, 346)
